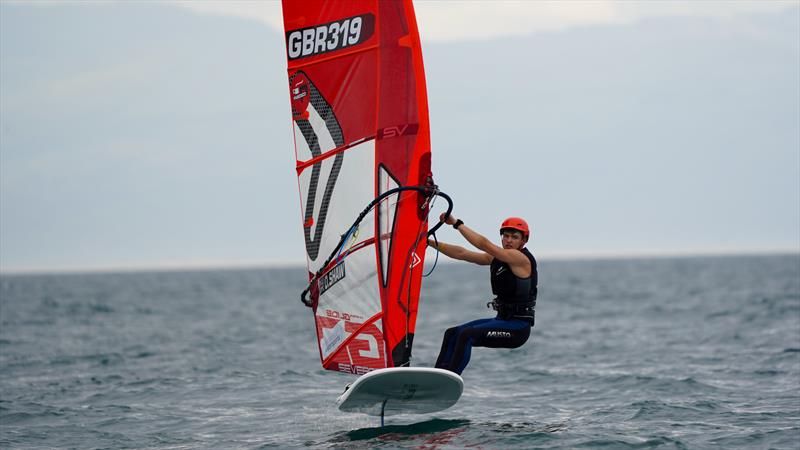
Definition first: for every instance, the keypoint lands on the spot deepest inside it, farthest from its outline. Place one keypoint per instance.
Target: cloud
(456, 20)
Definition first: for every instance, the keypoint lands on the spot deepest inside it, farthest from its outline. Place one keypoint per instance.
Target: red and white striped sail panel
(360, 118)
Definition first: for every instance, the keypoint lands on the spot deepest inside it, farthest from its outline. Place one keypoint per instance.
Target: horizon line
(194, 266)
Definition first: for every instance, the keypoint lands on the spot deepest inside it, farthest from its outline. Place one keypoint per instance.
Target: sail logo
(415, 260)
(398, 130)
(299, 86)
(372, 346)
(332, 277)
(353, 369)
(332, 337)
(299, 92)
(329, 37)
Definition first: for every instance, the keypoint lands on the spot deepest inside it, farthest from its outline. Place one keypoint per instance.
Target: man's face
(512, 239)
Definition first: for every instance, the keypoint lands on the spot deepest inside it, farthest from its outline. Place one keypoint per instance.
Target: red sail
(360, 118)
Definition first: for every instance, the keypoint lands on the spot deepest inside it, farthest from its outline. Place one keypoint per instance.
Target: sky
(140, 135)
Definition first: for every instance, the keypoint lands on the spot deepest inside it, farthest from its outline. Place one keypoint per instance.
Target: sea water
(642, 353)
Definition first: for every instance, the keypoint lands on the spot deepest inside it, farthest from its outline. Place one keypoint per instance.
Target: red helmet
(516, 223)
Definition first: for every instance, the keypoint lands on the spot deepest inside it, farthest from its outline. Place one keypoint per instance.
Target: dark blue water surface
(646, 353)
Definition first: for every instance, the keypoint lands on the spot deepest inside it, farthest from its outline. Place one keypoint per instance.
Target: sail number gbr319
(329, 37)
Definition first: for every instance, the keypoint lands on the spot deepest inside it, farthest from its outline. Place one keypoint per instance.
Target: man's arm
(517, 260)
(460, 253)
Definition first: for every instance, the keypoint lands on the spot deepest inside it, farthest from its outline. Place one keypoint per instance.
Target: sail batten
(301, 165)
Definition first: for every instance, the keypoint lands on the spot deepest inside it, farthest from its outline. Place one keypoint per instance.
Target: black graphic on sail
(303, 93)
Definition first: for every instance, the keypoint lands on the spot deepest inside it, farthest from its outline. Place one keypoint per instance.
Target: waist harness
(506, 311)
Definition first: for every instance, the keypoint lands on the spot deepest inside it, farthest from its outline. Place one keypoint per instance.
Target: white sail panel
(349, 192)
(386, 217)
(350, 298)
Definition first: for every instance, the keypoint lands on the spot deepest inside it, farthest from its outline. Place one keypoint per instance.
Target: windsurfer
(514, 280)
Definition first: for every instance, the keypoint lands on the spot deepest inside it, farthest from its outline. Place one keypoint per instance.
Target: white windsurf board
(402, 390)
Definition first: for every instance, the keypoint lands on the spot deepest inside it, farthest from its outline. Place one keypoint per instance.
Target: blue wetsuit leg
(493, 333)
(449, 342)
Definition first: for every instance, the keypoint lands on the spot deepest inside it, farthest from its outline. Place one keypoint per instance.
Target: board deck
(402, 390)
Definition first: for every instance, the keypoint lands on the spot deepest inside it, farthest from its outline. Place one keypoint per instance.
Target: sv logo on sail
(398, 130)
(328, 37)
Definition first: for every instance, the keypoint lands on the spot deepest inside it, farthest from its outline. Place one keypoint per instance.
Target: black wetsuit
(515, 302)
